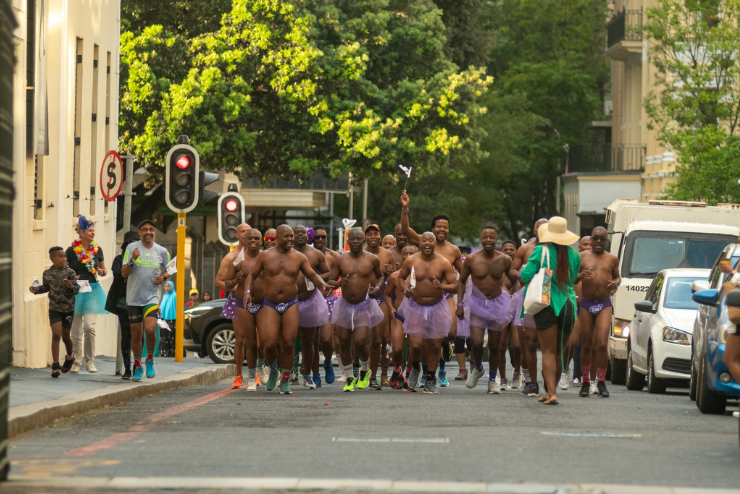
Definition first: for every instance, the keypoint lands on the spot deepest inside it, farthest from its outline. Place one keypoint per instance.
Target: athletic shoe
(355, 369)
(151, 372)
(317, 380)
(736, 414)
(594, 390)
(138, 373)
(447, 351)
(126, 374)
(516, 381)
(307, 383)
(75, 367)
(273, 379)
(473, 378)
(238, 380)
(525, 389)
(443, 382)
(342, 378)
(364, 381)
(534, 390)
(462, 375)
(67, 365)
(564, 380)
(603, 392)
(414, 378)
(423, 379)
(394, 381)
(329, 373)
(430, 387)
(494, 388)
(583, 393)
(505, 384)
(252, 385)
(294, 380)
(263, 372)
(285, 388)
(384, 381)
(576, 381)
(374, 383)
(350, 386)
(90, 367)
(56, 369)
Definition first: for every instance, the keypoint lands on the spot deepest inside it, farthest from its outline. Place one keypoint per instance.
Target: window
(678, 294)
(78, 131)
(94, 133)
(653, 294)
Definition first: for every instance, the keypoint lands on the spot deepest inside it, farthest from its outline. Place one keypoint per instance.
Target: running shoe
(329, 373)
(564, 380)
(68, 362)
(384, 381)
(75, 368)
(443, 382)
(394, 381)
(505, 384)
(576, 381)
(462, 375)
(736, 414)
(263, 372)
(307, 383)
(473, 378)
(252, 385)
(317, 380)
(138, 373)
(447, 351)
(516, 381)
(594, 389)
(494, 388)
(603, 392)
(583, 393)
(374, 382)
(126, 374)
(364, 381)
(238, 380)
(349, 386)
(525, 389)
(423, 379)
(355, 369)
(430, 387)
(273, 379)
(151, 372)
(285, 388)
(56, 369)
(534, 390)
(414, 378)
(90, 367)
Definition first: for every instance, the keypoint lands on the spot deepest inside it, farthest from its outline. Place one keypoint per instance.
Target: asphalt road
(460, 435)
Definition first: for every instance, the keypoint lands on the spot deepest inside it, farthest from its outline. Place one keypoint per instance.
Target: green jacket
(558, 295)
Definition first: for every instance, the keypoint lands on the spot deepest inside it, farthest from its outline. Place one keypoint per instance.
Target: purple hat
(310, 233)
(83, 223)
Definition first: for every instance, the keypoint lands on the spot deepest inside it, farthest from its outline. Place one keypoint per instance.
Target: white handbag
(538, 290)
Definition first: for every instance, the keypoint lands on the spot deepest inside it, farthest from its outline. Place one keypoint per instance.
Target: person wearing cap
(555, 322)
(85, 257)
(145, 268)
(193, 298)
(116, 302)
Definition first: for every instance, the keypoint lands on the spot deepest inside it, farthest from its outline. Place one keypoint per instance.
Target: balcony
(607, 158)
(624, 34)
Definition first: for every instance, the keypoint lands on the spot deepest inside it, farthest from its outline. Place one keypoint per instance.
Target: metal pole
(129, 192)
(331, 220)
(557, 195)
(364, 205)
(351, 199)
(340, 247)
(180, 322)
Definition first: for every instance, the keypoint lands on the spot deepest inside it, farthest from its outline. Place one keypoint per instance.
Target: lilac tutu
(517, 303)
(490, 314)
(229, 310)
(366, 314)
(463, 325)
(313, 311)
(431, 321)
(330, 301)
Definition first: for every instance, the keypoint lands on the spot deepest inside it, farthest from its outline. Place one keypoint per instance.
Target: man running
(312, 310)
(393, 298)
(488, 304)
(278, 319)
(356, 311)
(425, 313)
(381, 334)
(326, 332)
(401, 242)
(389, 241)
(599, 279)
(441, 231)
(270, 238)
(508, 247)
(525, 324)
(574, 344)
(145, 269)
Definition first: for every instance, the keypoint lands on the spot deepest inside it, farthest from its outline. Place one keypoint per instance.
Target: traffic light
(181, 178)
(230, 216)
(204, 195)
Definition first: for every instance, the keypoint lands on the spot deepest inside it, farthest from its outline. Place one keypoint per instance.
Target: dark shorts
(64, 317)
(595, 308)
(136, 313)
(565, 320)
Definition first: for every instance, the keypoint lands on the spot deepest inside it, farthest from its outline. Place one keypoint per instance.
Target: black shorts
(137, 314)
(565, 320)
(64, 317)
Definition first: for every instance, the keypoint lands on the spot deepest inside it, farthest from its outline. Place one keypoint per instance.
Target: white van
(651, 237)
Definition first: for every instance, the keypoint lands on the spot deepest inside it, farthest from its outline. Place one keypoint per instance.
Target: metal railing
(603, 158)
(624, 26)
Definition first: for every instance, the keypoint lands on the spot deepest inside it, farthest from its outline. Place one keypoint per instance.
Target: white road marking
(428, 440)
(591, 434)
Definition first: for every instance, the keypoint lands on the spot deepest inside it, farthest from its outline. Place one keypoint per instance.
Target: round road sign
(111, 176)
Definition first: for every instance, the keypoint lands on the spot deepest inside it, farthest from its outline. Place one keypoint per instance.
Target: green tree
(468, 33)
(695, 101)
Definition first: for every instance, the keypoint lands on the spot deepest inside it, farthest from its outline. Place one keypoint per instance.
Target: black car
(206, 332)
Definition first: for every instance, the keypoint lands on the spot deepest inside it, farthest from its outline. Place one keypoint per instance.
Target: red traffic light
(231, 205)
(183, 162)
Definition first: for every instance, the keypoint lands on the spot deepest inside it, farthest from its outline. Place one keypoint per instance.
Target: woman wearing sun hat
(556, 321)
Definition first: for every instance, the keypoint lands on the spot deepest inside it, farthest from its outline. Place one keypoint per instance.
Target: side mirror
(706, 297)
(733, 299)
(699, 285)
(645, 306)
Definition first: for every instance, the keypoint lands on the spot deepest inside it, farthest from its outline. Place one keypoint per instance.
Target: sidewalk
(37, 399)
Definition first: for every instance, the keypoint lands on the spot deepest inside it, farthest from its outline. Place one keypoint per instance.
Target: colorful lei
(86, 256)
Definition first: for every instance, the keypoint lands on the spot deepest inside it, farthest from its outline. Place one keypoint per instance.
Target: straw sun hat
(556, 231)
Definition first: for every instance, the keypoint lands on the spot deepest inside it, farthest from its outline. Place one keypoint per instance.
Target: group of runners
(365, 303)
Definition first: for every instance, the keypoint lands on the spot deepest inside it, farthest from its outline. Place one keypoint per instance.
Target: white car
(660, 332)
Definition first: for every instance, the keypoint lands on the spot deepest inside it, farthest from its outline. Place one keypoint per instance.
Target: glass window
(678, 293)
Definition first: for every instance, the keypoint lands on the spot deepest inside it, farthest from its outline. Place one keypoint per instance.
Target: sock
(149, 356)
(397, 368)
(137, 361)
(260, 362)
(442, 364)
(424, 368)
(601, 373)
(408, 372)
(430, 376)
(286, 376)
(349, 371)
(416, 365)
(251, 373)
(274, 367)
(527, 378)
(479, 366)
(492, 375)
(586, 371)
(363, 366)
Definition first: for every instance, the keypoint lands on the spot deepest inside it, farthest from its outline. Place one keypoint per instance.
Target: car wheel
(708, 401)
(220, 343)
(635, 380)
(692, 382)
(654, 384)
(618, 371)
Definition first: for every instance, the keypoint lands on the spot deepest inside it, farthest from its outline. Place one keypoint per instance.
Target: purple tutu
(517, 303)
(431, 321)
(366, 314)
(490, 314)
(229, 310)
(463, 325)
(313, 311)
(330, 301)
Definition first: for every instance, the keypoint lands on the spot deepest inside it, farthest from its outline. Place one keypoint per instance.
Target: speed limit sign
(111, 176)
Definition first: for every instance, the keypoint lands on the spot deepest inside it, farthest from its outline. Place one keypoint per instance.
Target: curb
(24, 418)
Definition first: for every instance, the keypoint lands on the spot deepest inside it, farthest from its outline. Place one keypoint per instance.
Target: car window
(657, 288)
(678, 293)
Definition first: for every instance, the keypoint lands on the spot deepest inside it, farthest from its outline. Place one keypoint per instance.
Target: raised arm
(411, 235)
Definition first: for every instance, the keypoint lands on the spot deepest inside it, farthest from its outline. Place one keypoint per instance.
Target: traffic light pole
(180, 323)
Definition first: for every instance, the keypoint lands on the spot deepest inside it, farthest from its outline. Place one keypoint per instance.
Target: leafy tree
(695, 101)
(468, 33)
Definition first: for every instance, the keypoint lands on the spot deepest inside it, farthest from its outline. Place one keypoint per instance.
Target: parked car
(207, 333)
(733, 300)
(660, 333)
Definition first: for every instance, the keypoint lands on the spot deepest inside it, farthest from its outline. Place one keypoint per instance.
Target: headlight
(673, 335)
(197, 311)
(624, 332)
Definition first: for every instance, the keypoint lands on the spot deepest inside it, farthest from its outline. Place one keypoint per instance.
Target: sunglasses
(253, 238)
(269, 239)
(320, 236)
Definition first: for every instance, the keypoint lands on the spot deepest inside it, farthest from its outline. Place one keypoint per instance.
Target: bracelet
(404, 211)
(247, 291)
(130, 264)
(461, 304)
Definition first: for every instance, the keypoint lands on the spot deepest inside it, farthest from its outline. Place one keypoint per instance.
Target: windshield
(647, 253)
(678, 293)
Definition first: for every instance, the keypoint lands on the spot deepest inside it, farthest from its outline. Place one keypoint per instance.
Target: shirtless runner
(389, 241)
(440, 230)
(487, 303)
(525, 324)
(381, 334)
(270, 239)
(401, 242)
(393, 298)
(278, 318)
(326, 333)
(508, 247)
(573, 352)
(599, 279)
